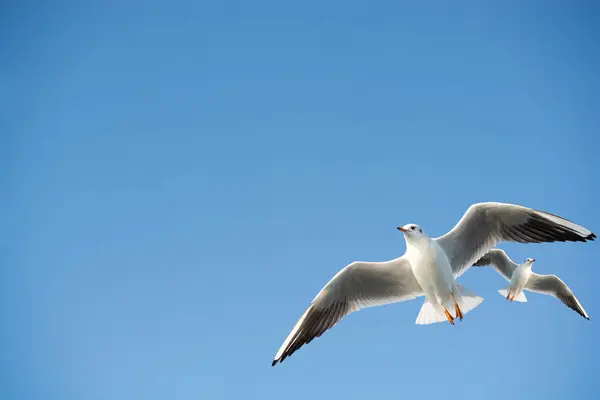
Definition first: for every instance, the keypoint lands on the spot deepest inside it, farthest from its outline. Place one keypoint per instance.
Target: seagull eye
(412, 227)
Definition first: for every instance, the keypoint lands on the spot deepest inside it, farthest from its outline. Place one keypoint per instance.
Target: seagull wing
(553, 286)
(486, 224)
(358, 285)
(500, 261)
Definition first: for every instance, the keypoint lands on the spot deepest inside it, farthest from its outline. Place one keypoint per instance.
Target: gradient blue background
(178, 181)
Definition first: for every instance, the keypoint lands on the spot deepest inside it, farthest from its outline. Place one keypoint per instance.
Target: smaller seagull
(522, 277)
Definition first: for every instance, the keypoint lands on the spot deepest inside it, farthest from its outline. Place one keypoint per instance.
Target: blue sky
(180, 180)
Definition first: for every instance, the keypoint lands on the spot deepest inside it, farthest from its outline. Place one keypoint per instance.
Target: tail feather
(432, 313)
(520, 298)
(466, 299)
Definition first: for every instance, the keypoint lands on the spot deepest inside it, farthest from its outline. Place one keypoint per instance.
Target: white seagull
(522, 277)
(429, 267)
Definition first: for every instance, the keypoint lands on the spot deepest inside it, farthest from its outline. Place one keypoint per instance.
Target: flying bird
(428, 268)
(521, 277)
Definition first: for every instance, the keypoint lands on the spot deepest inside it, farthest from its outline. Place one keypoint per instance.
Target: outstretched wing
(552, 285)
(358, 285)
(486, 224)
(500, 261)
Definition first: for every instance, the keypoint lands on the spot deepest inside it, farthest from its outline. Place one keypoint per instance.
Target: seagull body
(429, 268)
(433, 273)
(522, 277)
(518, 280)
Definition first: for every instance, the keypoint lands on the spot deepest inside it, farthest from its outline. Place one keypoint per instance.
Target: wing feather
(499, 260)
(358, 285)
(484, 225)
(552, 285)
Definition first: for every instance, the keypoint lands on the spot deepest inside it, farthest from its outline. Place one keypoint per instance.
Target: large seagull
(429, 267)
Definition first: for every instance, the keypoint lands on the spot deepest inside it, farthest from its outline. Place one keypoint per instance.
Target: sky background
(180, 179)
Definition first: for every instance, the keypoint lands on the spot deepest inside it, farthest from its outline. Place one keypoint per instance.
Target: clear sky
(180, 179)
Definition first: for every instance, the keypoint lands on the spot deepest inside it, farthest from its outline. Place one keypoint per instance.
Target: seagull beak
(533, 260)
(401, 229)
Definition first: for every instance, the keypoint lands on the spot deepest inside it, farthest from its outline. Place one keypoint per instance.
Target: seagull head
(529, 261)
(411, 231)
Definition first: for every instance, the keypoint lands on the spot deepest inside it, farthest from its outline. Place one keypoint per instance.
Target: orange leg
(508, 296)
(450, 319)
(457, 310)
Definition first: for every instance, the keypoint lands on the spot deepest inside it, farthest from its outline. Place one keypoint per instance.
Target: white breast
(432, 269)
(519, 278)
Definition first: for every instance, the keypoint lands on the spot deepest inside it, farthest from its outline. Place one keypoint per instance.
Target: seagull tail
(466, 299)
(430, 314)
(521, 297)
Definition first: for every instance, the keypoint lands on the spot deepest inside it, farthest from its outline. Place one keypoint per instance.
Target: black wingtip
(274, 363)
(591, 237)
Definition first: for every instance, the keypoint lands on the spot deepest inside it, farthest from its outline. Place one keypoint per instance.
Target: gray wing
(486, 224)
(500, 261)
(552, 285)
(358, 285)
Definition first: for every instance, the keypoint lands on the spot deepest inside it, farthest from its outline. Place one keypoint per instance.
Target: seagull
(428, 268)
(522, 277)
